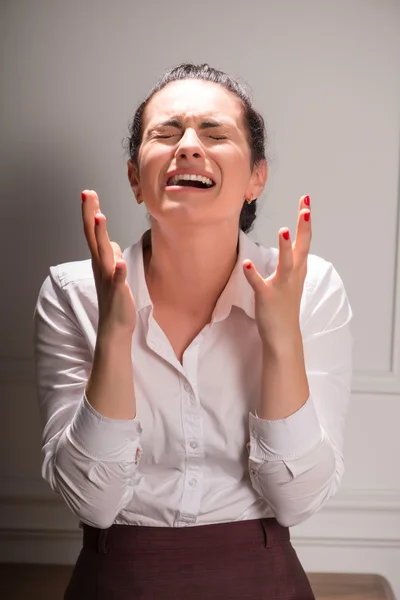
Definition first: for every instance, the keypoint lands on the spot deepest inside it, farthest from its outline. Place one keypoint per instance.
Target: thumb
(252, 275)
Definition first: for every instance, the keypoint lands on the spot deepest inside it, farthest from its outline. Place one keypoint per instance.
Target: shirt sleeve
(89, 459)
(296, 464)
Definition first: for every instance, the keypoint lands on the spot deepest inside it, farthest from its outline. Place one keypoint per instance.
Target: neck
(188, 272)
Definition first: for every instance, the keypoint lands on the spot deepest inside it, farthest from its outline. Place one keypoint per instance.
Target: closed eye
(213, 137)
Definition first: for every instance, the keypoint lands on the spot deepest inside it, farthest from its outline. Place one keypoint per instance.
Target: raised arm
(87, 403)
(296, 437)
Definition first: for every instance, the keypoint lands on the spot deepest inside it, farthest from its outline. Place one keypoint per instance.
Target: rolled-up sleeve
(88, 459)
(296, 464)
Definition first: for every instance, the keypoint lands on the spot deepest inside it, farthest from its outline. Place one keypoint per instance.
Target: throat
(198, 301)
(171, 301)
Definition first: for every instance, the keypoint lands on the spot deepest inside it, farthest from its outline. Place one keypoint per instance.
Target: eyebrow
(175, 122)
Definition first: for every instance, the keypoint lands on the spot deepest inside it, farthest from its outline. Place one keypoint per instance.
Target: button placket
(192, 428)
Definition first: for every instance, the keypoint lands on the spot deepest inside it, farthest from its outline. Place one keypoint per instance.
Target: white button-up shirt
(196, 453)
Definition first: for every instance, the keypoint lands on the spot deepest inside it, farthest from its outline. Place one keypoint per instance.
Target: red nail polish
(97, 220)
(83, 197)
(248, 266)
(307, 216)
(286, 235)
(307, 200)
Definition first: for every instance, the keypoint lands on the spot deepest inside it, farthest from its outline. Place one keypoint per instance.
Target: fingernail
(248, 266)
(96, 220)
(83, 196)
(307, 200)
(286, 235)
(307, 216)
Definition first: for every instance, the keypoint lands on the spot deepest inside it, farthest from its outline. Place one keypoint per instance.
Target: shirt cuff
(285, 439)
(103, 438)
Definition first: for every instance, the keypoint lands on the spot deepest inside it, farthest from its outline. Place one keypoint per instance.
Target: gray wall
(327, 77)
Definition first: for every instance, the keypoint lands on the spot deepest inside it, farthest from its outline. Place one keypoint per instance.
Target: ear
(258, 179)
(133, 176)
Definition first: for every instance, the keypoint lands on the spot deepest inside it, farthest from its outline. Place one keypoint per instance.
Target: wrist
(111, 339)
(287, 346)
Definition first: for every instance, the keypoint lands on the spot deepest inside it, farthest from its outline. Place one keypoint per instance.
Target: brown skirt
(239, 560)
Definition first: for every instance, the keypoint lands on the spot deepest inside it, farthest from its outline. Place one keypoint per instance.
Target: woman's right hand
(117, 310)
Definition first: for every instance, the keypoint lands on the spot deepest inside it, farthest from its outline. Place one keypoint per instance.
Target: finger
(117, 251)
(105, 249)
(302, 242)
(120, 272)
(285, 259)
(90, 206)
(305, 202)
(253, 276)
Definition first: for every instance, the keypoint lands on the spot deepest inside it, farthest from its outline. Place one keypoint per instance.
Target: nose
(189, 146)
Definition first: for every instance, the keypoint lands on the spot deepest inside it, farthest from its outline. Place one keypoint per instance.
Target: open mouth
(193, 181)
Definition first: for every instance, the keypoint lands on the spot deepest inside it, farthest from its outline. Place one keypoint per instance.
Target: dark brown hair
(254, 121)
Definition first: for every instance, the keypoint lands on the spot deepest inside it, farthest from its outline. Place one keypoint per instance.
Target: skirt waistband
(135, 537)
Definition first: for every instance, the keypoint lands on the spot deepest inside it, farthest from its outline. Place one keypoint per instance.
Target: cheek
(151, 164)
(236, 156)
(237, 169)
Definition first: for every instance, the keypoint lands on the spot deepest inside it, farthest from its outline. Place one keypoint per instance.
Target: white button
(193, 444)
(187, 386)
(192, 482)
(192, 401)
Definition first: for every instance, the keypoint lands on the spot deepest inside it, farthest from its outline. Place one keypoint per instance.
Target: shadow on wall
(40, 228)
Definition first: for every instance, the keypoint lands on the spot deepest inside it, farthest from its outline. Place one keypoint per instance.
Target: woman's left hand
(278, 298)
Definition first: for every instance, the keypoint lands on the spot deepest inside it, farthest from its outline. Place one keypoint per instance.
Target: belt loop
(267, 537)
(102, 548)
(274, 533)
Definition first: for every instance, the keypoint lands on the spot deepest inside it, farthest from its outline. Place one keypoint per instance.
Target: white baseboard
(36, 526)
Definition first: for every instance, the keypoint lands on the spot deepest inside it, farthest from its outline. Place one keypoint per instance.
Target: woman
(194, 388)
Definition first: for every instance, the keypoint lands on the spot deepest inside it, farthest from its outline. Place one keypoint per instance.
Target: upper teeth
(174, 180)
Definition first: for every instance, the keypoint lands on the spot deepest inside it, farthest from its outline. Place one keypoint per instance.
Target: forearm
(284, 384)
(110, 388)
(100, 450)
(296, 488)
(94, 489)
(293, 466)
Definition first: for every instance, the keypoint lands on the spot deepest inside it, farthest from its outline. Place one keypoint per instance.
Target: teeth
(188, 177)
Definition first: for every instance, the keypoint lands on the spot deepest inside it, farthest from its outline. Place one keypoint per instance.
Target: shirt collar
(237, 291)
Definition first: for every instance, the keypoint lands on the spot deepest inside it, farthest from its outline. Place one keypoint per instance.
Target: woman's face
(194, 127)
